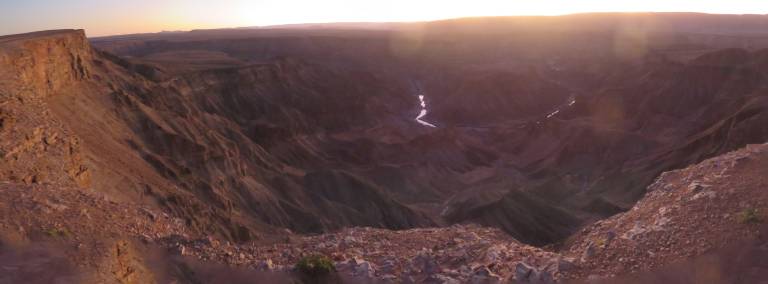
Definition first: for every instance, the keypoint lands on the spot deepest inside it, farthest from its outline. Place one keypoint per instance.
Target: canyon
(528, 149)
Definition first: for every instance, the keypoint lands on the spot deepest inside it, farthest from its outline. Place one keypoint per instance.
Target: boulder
(425, 263)
(525, 273)
(358, 268)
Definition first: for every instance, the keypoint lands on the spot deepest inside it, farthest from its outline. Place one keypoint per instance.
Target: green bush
(57, 233)
(749, 216)
(600, 243)
(315, 265)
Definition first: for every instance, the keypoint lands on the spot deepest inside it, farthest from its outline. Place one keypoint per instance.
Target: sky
(111, 17)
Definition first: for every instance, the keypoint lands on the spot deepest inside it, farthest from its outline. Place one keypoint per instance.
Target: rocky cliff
(44, 63)
(36, 146)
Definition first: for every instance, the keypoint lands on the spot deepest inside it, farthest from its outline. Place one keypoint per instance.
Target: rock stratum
(194, 156)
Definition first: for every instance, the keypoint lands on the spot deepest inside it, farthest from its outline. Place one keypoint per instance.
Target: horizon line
(385, 22)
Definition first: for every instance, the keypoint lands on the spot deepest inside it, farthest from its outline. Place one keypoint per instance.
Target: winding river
(423, 113)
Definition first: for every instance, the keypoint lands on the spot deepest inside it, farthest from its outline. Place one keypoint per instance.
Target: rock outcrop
(42, 64)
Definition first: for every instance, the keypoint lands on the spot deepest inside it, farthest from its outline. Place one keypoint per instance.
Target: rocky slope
(700, 211)
(686, 213)
(442, 255)
(68, 235)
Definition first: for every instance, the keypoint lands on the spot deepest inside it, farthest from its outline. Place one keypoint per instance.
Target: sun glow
(116, 17)
(297, 11)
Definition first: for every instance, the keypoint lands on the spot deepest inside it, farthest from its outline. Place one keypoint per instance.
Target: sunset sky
(109, 17)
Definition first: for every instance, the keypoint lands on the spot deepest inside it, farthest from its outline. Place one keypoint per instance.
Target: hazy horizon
(102, 18)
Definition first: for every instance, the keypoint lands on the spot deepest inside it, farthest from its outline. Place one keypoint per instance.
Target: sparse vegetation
(749, 216)
(600, 243)
(315, 265)
(56, 232)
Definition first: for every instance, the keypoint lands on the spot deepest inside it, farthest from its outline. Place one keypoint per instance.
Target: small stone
(387, 267)
(482, 271)
(695, 187)
(589, 251)
(484, 275)
(425, 263)
(565, 264)
(389, 278)
(494, 254)
(182, 250)
(705, 194)
(358, 267)
(265, 265)
(51, 139)
(523, 271)
(594, 278)
(149, 213)
(442, 279)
